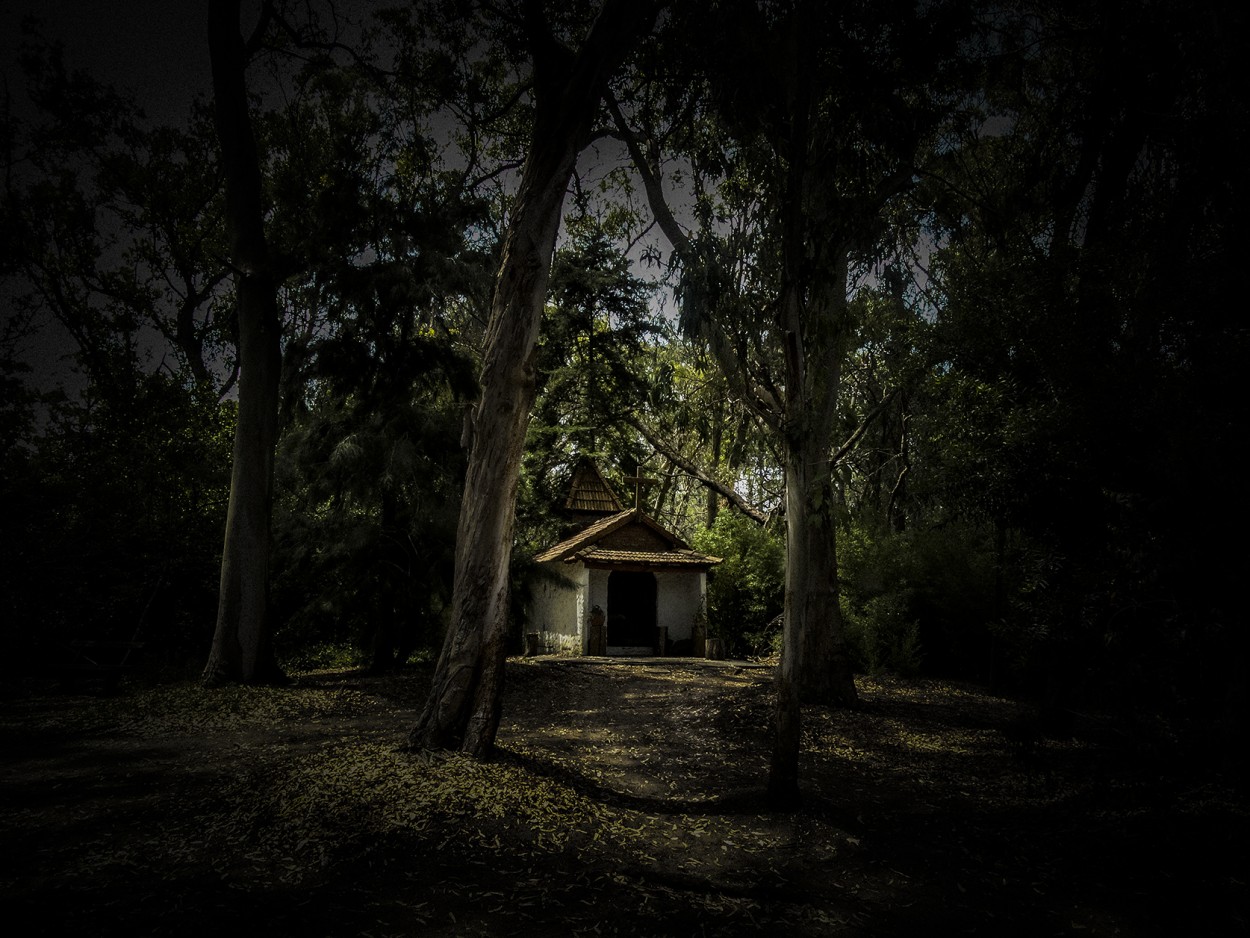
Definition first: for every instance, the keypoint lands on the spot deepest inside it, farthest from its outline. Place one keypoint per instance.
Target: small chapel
(623, 584)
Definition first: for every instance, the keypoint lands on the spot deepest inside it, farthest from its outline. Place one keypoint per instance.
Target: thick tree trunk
(824, 667)
(463, 708)
(814, 665)
(242, 648)
(783, 771)
(814, 315)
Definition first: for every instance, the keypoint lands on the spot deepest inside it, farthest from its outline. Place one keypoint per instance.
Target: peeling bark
(463, 708)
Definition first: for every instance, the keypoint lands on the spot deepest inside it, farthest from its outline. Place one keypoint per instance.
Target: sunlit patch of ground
(625, 799)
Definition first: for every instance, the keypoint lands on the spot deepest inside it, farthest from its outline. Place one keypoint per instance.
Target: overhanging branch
(692, 470)
(853, 440)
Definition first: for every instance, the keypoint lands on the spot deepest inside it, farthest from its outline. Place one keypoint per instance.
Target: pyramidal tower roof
(590, 492)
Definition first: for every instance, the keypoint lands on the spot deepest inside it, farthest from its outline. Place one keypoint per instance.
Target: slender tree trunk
(463, 707)
(242, 649)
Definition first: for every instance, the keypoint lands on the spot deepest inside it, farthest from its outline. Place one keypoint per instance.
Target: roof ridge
(585, 540)
(570, 545)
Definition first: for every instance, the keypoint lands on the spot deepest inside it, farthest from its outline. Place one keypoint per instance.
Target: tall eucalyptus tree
(800, 123)
(242, 641)
(568, 84)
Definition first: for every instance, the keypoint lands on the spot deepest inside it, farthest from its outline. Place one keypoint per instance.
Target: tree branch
(651, 186)
(760, 397)
(853, 440)
(688, 467)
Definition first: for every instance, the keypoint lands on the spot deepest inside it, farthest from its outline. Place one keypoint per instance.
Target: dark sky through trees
(153, 48)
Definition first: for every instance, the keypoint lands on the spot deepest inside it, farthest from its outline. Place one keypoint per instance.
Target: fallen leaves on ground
(626, 798)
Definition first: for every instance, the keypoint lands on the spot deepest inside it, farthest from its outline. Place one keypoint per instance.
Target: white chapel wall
(596, 595)
(556, 614)
(560, 612)
(679, 596)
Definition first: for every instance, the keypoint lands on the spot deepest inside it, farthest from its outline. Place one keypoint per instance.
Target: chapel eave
(584, 547)
(644, 560)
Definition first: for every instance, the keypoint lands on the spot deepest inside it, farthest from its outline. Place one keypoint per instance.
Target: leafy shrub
(921, 597)
(746, 592)
(884, 636)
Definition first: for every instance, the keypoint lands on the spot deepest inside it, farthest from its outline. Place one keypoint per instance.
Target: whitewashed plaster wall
(598, 594)
(680, 596)
(560, 612)
(557, 612)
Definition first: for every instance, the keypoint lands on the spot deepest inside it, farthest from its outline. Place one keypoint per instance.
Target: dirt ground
(625, 799)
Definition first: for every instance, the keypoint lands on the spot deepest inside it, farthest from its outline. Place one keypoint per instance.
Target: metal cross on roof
(639, 481)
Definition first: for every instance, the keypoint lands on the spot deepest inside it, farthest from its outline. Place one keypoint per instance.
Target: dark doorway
(631, 609)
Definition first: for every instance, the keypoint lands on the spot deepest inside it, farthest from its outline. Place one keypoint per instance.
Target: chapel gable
(636, 537)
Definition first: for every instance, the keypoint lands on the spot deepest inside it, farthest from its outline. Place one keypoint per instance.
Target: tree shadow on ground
(121, 817)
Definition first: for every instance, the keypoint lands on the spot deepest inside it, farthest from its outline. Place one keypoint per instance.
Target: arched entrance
(631, 609)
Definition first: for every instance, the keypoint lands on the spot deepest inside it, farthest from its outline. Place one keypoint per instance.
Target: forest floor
(625, 799)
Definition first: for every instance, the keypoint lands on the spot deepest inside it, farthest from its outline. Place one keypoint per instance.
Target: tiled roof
(646, 558)
(589, 491)
(583, 545)
(585, 537)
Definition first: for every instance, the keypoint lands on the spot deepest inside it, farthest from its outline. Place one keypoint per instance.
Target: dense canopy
(924, 319)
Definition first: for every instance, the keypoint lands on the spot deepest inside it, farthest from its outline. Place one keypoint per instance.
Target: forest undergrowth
(625, 798)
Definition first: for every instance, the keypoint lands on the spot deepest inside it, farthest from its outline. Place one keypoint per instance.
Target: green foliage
(883, 635)
(1085, 338)
(589, 360)
(693, 415)
(114, 521)
(920, 598)
(746, 592)
(364, 533)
